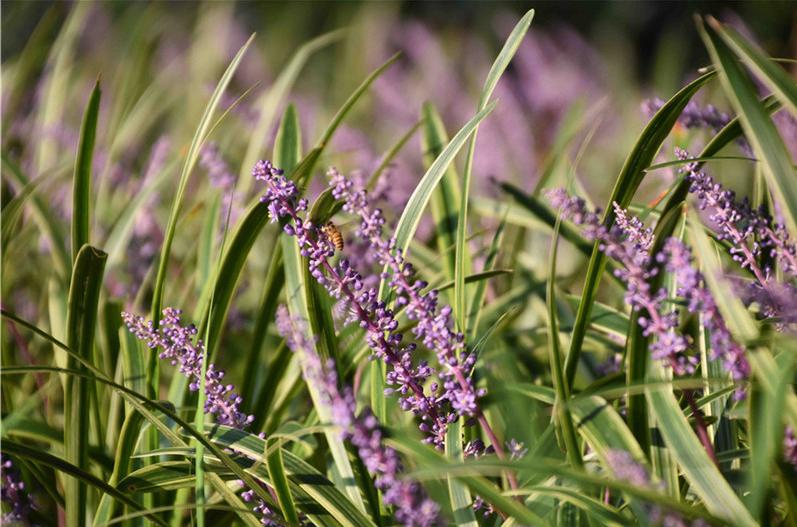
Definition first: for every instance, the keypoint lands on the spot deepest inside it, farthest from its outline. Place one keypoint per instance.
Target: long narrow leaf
(81, 185)
(769, 71)
(270, 101)
(84, 294)
(496, 71)
(760, 130)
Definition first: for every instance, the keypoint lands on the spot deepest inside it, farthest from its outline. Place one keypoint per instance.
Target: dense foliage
(210, 320)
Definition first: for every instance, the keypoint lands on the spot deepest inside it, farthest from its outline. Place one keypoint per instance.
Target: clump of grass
(266, 346)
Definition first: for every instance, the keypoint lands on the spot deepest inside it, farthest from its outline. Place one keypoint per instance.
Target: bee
(333, 233)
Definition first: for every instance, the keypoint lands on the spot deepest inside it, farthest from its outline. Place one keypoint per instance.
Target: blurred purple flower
(147, 233)
(219, 173)
(693, 116)
(696, 117)
(626, 469)
(790, 446)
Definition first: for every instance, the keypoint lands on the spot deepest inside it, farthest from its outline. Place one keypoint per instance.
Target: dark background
(639, 24)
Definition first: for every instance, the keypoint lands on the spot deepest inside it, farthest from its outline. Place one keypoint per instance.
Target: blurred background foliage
(584, 66)
(580, 75)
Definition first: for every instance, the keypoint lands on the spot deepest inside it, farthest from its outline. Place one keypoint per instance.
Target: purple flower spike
(434, 327)
(178, 346)
(345, 284)
(412, 506)
(281, 193)
(753, 236)
(678, 259)
(629, 243)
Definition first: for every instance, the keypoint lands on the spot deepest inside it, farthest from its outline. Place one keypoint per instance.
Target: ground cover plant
(437, 288)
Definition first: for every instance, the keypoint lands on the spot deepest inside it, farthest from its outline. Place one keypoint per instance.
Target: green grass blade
(307, 478)
(56, 88)
(287, 154)
(770, 72)
(276, 472)
(84, 293)
(496, 71)
(766, 423)
(119, 236)
(542, 467)
(352, 100)
(270, 102)
(288, 143)
(81, 186)
(145, 407)
(461, 500)
(604, 318)
(125, 449)
(572, 123)
(133, 366)
(760, 130)
(705, 479)
(561, 410)
(232, 265)
(12, 212)
(447, 196)
(388, 157)
(411, 216)
(267, 308)
(475, 309)
(191, 159)
(600, 512)
(303, 172)
(544, 213)
(631, 175)
(438, 466)
(29, 64)
(207, 240)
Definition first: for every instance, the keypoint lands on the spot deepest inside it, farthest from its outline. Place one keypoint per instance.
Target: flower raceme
(179, 345)
(629, 243)
(756, 243)
(442, 402)
(412, 506)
